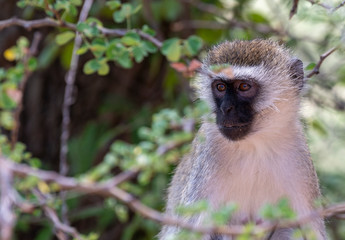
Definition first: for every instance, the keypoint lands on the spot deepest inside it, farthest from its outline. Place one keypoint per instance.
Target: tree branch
(7, 216)
(108, 190)
(49, 22)
(67, 102)
(316, 69)
(52, 215)
(28, 24)
(339, 6)
(293, 10)
(32, 51)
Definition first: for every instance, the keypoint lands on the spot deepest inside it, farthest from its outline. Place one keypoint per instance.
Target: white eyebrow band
(247, 74)
(227, 79)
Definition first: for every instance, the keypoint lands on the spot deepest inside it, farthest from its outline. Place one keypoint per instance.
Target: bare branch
(52, 215)
(48, 22)
(326, 6)
(67, 102)
(7, 216)
(32, 51)
(293, 10)
(28, 24)
(316, 69)
(339, 6)
(68, 183)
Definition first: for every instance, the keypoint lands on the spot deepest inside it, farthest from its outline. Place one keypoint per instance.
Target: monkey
(254, 150)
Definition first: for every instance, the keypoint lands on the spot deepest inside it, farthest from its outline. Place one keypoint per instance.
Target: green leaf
(126, 9)
(21, 4)
(124, 60)
(148, 30)
(192, 45)
(123, 13)
(121, 212)
(91, 66)
(6, 102)
(310, 66)
(83, 49)
(137, 9)
(98, 47)
(115, 49)
(113, 4)
(88, 30)
(2, 73)
(23, 42)
(139, 53)
(194, 208)
(76, 2)
(171, 48)
(131, 39)
(32, 64)
(222, 216)
(119, 17)
(64, 37)
(6, 120)
(150, 47)
(72, 10)
(257, 17)
(104, 68)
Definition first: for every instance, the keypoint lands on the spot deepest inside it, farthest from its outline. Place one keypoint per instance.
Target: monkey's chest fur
(254, 175)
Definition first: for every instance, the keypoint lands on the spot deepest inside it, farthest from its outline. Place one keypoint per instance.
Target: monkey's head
(251, 78)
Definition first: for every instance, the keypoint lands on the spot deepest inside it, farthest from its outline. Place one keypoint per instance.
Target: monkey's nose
(226, 109)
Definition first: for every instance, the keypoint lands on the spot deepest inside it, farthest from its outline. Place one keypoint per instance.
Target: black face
(234, 100)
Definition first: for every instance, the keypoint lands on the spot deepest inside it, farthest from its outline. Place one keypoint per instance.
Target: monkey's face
(234, 101)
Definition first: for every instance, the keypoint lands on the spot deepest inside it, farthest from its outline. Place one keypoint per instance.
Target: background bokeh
(127, 118)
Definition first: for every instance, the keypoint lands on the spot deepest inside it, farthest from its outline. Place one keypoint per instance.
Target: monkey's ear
(297, 72)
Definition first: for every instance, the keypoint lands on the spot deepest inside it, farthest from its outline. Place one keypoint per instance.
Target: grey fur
(271, 162)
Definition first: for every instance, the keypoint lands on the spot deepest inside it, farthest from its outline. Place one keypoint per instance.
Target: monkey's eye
(221, 87)
(244, 87)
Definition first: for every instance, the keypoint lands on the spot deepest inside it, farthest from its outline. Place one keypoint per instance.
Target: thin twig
(56, 13)
(7, 216)
(67, 102)
(29, 24)
(271, 233)
(293, 10)
(326, 6)
(53, 217)
(316, 69)
(48, 22)
(339, 6)
(69, 183)
(32, 51)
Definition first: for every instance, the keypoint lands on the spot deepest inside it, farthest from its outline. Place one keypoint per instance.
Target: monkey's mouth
(234, 132)
(234, 126)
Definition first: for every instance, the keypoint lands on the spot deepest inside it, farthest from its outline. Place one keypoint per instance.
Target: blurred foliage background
(134, 107)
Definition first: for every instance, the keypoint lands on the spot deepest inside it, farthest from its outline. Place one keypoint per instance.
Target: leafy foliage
(125, 34)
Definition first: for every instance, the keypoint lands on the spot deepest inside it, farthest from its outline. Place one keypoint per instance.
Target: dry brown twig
(339, 6)
(326, 6)
(7, 216)
(31, 52)
(60, 227)
(293, 10)
(108, 190)
(316, 69)
(49, 22)
(67, 102)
